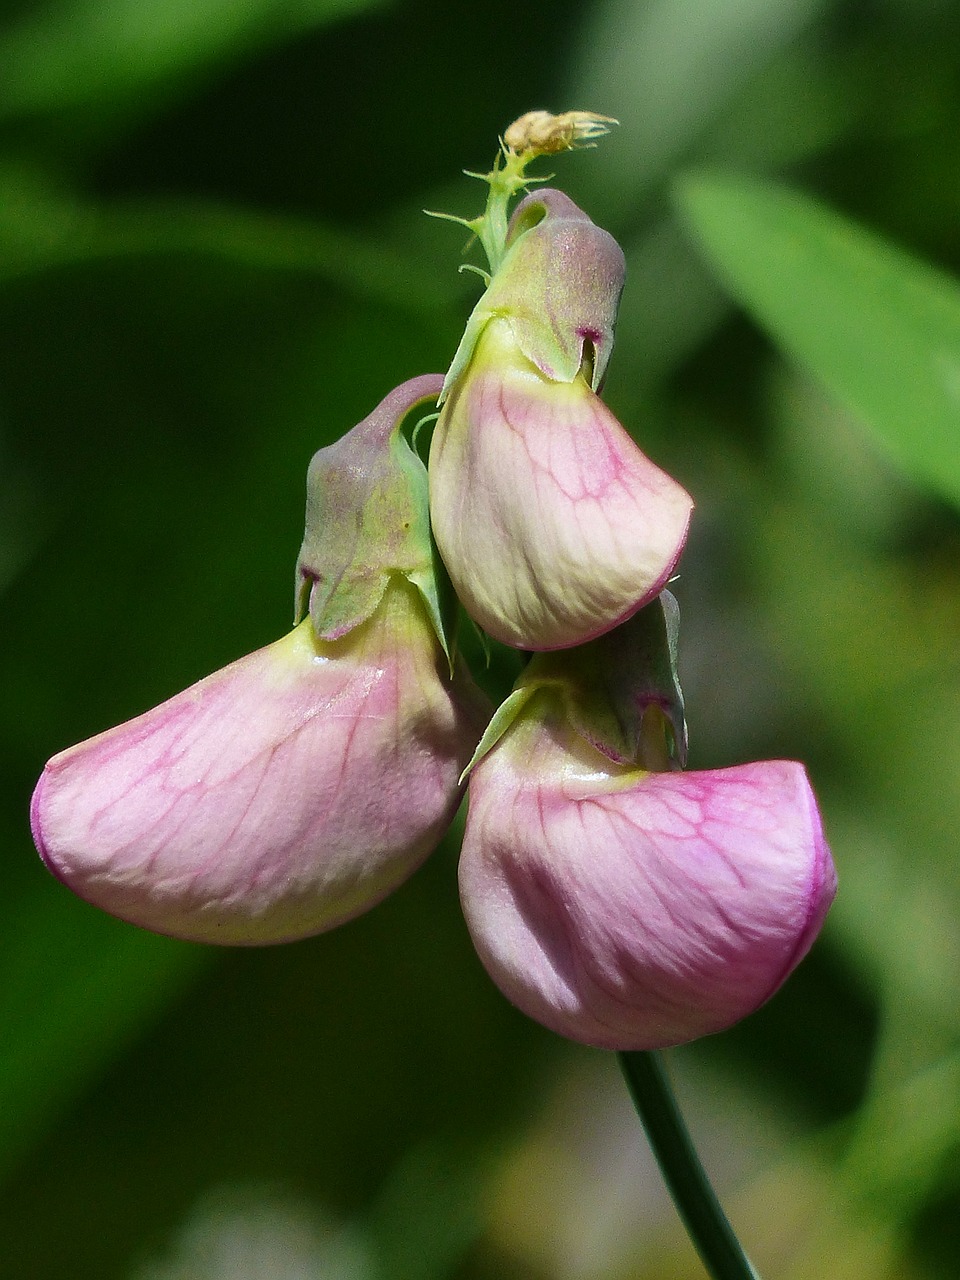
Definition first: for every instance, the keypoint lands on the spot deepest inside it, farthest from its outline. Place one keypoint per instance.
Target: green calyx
(558, 288)
(620, 692)
(367, 521)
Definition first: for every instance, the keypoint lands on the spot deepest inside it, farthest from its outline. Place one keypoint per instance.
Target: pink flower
(628, 908)
(553, 525)
(295, 788)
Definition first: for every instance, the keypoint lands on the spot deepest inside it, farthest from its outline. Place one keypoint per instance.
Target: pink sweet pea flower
(295, 788)
(625, 907)
(553, 525)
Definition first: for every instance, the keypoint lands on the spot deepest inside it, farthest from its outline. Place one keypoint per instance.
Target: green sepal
(607, 688)
(478, 320)
(475, 270)
(558, 286)
(501, 721)
(484, 641)
(610, 684)
(440, 601)
(368, 519)
(472, 224)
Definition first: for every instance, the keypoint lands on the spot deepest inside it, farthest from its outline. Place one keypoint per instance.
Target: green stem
(696, 1202)
(505, 180)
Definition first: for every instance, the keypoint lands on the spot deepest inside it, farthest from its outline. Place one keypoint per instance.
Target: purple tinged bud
(553, 525)
(559, 287)
(628, 908)
(367, 518)
(295, 788)
(581, 268)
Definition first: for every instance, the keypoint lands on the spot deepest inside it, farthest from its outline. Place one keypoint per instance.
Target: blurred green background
(212, 262)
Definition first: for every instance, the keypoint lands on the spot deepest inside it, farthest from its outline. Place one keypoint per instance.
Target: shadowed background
(212, 262)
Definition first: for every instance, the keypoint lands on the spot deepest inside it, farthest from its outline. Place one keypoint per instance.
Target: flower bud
(553, 525)
(559, 287)
(628, 908)
(295, 788)
(541, 133)
(367, 519)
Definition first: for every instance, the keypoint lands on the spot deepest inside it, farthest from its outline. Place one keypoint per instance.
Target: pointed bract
(636, 910)
(278, 797)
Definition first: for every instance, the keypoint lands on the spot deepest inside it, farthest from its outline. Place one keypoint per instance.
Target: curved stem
(696, 1202)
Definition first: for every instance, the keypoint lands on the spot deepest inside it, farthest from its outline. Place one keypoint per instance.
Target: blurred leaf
(671, 304)
(77, 987)
(40, 229)
(75, 52)
(429, 1212)
(666, 69)
(808, 100)
(842, 472)
(870, 648)
(879, 328)
(902, 1140)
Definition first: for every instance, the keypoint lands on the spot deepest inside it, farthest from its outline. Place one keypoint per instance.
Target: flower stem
(505, 180)
(696, 1202)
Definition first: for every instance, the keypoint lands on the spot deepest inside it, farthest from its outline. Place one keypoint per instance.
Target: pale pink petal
(276, 798)
(553, 525)
(635, 911)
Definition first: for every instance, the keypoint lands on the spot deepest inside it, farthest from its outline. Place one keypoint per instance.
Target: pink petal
(276, 798)
(553, 525)
(632, 910)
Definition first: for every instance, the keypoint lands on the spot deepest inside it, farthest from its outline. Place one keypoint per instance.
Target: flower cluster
(612, 896)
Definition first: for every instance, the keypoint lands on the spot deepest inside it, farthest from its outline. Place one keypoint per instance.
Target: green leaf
(879, 328)
(69, 53)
